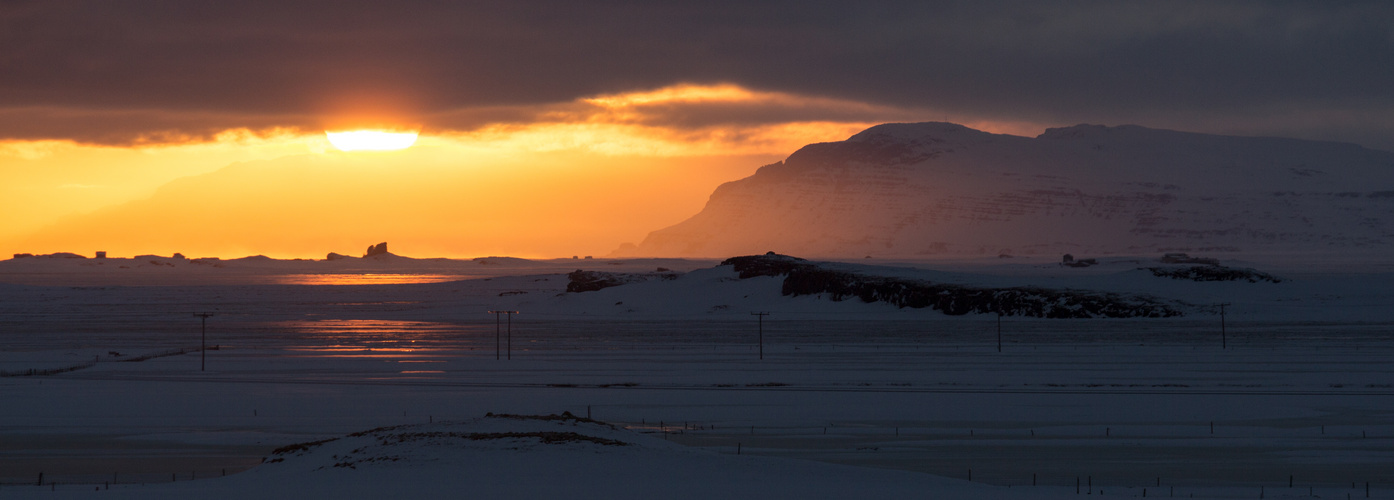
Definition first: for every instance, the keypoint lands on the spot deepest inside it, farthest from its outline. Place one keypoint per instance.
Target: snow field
(1302, 389)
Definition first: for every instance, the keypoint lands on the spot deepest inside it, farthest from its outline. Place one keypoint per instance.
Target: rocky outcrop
(590, 281)
(1213, 273)
(59, 255)
(802, 277)
(375, 250)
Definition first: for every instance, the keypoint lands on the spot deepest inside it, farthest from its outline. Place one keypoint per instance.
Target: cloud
(678, 120)
(115, 72)
(136, 126)
(541, 179)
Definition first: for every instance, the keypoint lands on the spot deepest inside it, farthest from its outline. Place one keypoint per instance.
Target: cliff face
(938, 189)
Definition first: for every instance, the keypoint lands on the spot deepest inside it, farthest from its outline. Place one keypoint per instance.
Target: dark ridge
(547, 437)
(160, 354)
(1213, 273)
(806, 278)
(299, 447)
(377, 429)
(31, 372)
(590, 281)
(874, 150)
(565, 416)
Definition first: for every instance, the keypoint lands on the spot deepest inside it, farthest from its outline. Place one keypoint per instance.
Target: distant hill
(940, 189)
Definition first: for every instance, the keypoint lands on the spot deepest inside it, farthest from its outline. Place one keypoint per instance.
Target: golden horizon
(524, 187)
(371, 140)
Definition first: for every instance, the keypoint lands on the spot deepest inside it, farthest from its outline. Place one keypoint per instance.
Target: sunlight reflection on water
(380, 338)
(363, 279)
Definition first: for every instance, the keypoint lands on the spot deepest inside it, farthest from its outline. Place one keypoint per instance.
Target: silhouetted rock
(260, 259)
(770, 264)
(57, 255)
(335, 256)
(378, 249)
(802, 277)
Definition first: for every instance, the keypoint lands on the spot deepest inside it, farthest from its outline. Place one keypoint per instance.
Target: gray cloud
(1308, 69)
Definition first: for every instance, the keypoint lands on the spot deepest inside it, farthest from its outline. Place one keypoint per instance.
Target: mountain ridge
(941, 189)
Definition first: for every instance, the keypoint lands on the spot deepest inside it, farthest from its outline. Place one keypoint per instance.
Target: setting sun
(371, 140)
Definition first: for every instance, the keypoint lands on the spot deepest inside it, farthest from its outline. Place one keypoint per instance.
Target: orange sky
(572, 178)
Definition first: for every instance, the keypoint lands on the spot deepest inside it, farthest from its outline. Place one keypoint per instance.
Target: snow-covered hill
(939, 189)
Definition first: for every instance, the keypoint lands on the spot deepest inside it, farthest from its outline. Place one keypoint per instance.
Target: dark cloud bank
(109, 71)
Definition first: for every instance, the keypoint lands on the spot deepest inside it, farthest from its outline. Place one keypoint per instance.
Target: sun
(371, 140)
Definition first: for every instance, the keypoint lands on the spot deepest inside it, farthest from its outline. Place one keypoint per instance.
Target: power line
(203, 340)
(497, 335)
(761, 321)
(999, 332)
(1224, 343)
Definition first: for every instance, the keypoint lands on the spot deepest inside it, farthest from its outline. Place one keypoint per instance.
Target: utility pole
(999, 332)
(761, 321)
(1224, 342)
(203, 340)
(498, 335)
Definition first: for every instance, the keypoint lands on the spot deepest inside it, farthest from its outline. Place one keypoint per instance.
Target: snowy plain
(850, 400)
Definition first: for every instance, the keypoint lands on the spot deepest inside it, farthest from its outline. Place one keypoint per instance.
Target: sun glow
(518, 181)
(371, 140)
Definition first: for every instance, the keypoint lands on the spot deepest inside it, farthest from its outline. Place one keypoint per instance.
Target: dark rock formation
(335, 256)
(57, 255)
(590, 281)
(378, 249)
(802, 277)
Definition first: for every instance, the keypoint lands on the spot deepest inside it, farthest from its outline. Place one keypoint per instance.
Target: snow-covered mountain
(940, 189)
